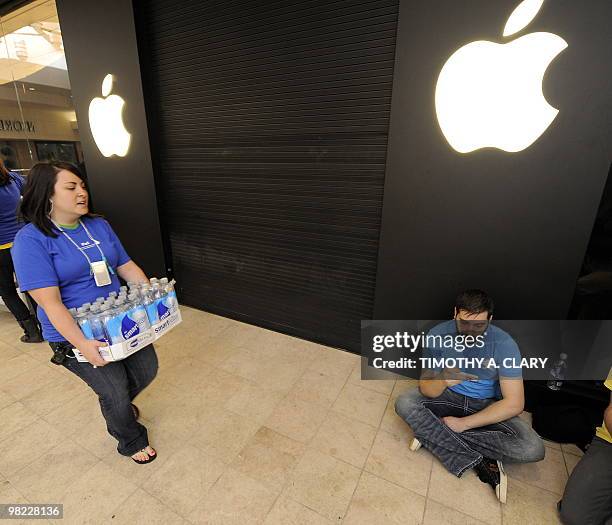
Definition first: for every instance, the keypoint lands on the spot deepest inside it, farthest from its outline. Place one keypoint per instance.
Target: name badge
(100, 273)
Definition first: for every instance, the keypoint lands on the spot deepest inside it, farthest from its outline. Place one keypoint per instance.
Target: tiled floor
(251, 426)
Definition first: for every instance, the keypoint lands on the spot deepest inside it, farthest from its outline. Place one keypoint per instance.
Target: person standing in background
(11, 187)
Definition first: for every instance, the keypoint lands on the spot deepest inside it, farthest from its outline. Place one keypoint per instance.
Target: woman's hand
(89, 349)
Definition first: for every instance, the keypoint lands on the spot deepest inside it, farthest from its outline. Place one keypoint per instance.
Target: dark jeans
(117, 384)
(8, 292)
(513, 440)
(588, 494)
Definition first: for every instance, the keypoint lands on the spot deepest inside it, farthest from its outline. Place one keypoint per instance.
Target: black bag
(564, 424)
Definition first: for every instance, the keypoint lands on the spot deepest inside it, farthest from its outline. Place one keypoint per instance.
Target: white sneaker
(501, 491)
(415, 445)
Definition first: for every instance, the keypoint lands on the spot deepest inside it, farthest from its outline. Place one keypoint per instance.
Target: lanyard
(97, 244)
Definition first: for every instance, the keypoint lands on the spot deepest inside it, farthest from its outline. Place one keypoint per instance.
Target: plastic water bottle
(171, 300)
(97, 325)
(138, 313)
(557, 371)
(112, 295)
(112, 322)
(148, 302)
(85, 306)
(82, 319)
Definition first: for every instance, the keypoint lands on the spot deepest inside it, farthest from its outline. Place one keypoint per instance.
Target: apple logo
(490, 94)
(106, 122)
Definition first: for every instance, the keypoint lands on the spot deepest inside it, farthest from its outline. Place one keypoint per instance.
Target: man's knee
(409, 401)
(532, 447)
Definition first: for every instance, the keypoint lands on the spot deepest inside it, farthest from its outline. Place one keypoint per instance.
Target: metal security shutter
(269, 121)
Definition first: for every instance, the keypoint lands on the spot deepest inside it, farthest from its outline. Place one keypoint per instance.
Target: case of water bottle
(133, 321)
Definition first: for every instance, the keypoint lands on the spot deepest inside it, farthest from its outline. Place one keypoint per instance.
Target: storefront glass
(37, 117)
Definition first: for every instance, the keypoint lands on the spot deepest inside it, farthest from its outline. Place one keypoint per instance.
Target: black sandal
(151, 457)
(135, 410)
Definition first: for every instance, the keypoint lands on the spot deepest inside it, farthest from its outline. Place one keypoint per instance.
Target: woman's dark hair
(474, 302)
(5, 177)
(39, 188)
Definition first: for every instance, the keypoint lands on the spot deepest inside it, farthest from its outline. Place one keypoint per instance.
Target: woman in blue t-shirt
(54, 257)
(11, 186)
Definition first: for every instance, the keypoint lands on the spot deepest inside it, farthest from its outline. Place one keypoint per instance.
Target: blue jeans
(512, 441)
(117, 384)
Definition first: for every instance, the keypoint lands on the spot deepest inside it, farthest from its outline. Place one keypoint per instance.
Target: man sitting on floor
(588, 494)
(470, 420)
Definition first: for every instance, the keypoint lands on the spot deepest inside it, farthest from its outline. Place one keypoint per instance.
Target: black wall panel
(269, 124)
(123, 188)
(514, 224)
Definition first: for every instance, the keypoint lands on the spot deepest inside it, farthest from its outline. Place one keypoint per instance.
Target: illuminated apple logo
(106, 122)
(490, 95)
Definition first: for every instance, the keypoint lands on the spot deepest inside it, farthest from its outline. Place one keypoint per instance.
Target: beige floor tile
(253, 401)
(7, 351)
(549, 474)
(361, 404)
(289, 512)
(316, 387)
(323, 483)
(214, 351)
(269, 458)
(15, 366)
(142, 509)
(394, 424)
(186, 373)
(391, 459)
(74, 414)
(5, 399)
(344, 438)
(47, 478)
(39, 376)
(438, 514)
(384, 382)
(94, 496)
(466, 494)
(335, 362)
(571, 460)
(184, 479)
(552, 445)
(27, 445)
(379, 501)
(46, 399)
(220, 387)
(528, 504)
(296, 419)
(224, 434)
(235, 499)
(279, 374)
(307, 350)
(14, 417)
(9, 494)
(570, 448)
(402, 386)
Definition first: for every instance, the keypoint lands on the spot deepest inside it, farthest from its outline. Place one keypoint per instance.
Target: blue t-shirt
(10, 195)
(41, 261)
(499, 348)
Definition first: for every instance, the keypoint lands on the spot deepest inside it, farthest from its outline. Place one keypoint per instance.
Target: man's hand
(456, 424)
(454, 376)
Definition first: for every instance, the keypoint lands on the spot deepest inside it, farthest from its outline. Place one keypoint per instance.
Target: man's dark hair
(474, 301)
(39, 188)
